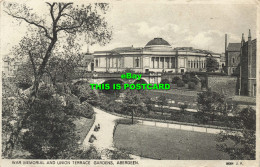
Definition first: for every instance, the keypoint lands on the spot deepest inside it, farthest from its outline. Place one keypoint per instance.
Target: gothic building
(157, 56)
(247, 77)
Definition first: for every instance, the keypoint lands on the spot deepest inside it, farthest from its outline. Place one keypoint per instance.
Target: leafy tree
(50, 125)
(210, 104)
(83, 91)
(240, 144)
(51, 130)
(24, 76)
(148, 102)
(12, 118)
(162, 102)
(61, 22)
(133, 103)
(211, 64)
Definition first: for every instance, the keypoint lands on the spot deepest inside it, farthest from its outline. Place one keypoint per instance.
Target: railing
(177, 125)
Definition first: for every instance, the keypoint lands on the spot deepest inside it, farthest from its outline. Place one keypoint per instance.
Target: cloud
(211, 39)
(146, 30)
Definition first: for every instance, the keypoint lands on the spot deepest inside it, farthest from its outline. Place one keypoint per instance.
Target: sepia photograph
(129, 83)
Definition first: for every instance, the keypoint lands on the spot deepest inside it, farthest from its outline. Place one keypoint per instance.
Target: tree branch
(33, 23)
(51, 10)
(70, 28)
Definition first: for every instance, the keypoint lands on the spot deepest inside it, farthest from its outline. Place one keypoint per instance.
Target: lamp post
(133, 107)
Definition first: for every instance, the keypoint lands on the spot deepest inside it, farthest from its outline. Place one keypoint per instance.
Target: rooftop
(234, 47)
(157, 41)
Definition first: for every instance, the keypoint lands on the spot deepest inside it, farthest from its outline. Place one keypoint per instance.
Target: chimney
(249, 36)
(225, 42)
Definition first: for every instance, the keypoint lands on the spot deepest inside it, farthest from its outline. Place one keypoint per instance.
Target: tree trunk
(42, 67)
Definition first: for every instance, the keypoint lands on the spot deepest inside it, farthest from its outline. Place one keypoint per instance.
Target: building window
(233, 60)
(121, 62)
(233, 70)
(137, 62)
(114, 59)
(152, 62)
(173, 62)
(157, 62)
(161, 62)
(96, 62)
(167, 62)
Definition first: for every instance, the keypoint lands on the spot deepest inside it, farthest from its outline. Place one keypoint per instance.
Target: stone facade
(157, 56)
(232, 57)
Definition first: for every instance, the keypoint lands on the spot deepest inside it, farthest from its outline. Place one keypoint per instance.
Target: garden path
(105, 134)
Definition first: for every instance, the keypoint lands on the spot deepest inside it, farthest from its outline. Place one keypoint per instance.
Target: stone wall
(223, 84)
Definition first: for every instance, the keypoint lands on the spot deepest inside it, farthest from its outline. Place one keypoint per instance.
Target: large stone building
(247, 77)
(157, 56)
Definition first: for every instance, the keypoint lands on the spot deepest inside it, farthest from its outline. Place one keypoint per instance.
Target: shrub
(24, 85)
(50, 130)
(84, 92)
(83, 110)
(180, 83)
(183, 107)
(46, 91)
(165, 81)
(119, 154)
(125, 121)
(186, 77)
(175, 80)
(194, 80)
(191, 85)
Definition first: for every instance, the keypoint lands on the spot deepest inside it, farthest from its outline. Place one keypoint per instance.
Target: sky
(201, 26)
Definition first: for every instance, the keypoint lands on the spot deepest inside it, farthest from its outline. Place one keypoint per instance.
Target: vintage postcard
(129, 83)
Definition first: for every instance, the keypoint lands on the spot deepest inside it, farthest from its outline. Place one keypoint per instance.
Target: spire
(242, 40)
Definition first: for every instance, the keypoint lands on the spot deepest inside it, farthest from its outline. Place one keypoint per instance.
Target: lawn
(168, 144)
(176, 95)
(83, 125)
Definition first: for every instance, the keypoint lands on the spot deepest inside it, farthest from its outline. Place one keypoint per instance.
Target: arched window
(233, 60)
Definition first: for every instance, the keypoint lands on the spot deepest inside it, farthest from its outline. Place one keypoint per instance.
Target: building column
(170, 62)
(158, 62)
(163, 62)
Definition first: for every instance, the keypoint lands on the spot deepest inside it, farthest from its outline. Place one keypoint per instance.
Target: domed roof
(157, 41)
